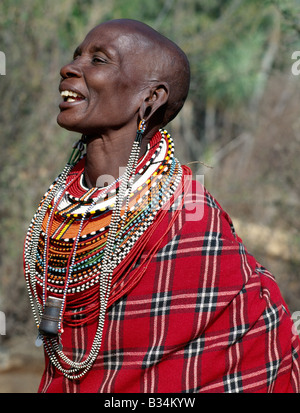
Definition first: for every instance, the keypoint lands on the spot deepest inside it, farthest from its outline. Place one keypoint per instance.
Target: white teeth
(70, 100)
(66, 93)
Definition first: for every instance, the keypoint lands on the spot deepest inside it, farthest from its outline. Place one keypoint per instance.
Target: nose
(70, 70)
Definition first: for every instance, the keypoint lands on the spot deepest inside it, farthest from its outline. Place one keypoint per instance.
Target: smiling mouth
(70, 96)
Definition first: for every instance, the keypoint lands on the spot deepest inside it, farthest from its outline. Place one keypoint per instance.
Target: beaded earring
(128, 178)
(140, 131)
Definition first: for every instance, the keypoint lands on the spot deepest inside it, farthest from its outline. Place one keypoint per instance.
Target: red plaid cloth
(205, 317)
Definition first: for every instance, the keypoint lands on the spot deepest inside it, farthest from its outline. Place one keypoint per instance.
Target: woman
(136, 278)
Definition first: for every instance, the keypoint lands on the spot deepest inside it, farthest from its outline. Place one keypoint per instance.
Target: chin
(68, 125)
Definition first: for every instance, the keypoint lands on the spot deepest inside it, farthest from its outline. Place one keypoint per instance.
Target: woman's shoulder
(201, 212)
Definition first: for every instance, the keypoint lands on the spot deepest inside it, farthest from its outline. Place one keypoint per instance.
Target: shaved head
(159, 60)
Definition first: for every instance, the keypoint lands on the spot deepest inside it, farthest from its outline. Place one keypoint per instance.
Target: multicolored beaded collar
(66, 243)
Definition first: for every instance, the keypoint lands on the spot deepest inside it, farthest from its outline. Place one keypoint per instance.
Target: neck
(107, 157)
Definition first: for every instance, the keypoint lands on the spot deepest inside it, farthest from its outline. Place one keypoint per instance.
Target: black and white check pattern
(236, 333)
(113, 359)
(160, 304)
(168, 252)
(153, 356)
(211, 201)
(117, 310)
(212, 244)
(272, 370)
(207, 299)
(233, 383)
(271, 317)
(195, 347)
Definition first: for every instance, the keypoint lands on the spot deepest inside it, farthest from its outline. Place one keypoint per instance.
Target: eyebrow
(96, 48)
(99, 48)
(77, 51)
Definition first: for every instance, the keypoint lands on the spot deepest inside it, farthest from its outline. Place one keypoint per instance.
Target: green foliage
(231, 73)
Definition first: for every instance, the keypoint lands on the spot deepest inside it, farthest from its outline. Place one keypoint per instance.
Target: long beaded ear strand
(128, 182)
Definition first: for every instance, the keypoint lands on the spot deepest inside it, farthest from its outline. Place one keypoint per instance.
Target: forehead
(116, 41)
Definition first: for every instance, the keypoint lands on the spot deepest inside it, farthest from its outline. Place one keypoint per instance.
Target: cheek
(113, 101)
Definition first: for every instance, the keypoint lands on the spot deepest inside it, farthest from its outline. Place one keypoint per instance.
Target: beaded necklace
(78, 236)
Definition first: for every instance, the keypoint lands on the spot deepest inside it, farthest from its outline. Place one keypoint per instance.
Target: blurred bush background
(240, 128)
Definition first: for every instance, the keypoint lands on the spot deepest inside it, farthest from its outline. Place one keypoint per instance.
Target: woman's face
(102, 87)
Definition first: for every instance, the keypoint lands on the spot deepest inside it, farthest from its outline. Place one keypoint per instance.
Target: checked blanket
(205, 317)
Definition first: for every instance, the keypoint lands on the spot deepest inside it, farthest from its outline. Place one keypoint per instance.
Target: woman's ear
(157, 97)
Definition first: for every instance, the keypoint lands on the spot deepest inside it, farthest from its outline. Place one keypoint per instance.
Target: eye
(98, 59)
